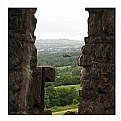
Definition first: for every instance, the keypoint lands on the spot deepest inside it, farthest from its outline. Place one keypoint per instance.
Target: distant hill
(54, 45)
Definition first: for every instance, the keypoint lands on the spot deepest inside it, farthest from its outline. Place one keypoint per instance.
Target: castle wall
(98, 62)
(21, 26)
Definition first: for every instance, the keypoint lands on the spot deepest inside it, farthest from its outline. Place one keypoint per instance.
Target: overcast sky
(61, 19)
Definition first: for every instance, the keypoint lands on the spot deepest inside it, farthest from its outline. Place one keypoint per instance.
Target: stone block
(108, 22)
(88, 49)
(85, 73)
(104, 88)
(94, 24)
(49, 74)
(85, 60)
(89, 94)
(95, 73)
(90, 107)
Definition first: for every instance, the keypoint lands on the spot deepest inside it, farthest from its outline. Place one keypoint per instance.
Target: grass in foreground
(63, 108)
(62, 112)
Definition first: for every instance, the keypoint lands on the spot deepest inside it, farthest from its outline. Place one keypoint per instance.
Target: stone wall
(26, 80)
(22, 64)
(26, 88)
(98, 62)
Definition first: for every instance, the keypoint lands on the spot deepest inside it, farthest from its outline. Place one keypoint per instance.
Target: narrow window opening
(60, 32)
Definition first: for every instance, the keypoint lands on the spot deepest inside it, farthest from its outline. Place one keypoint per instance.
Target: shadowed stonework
(22, 24)
(26, 80)
(98, 62)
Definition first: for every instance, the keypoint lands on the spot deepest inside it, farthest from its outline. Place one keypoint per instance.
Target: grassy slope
(77, 87)
(63, 111)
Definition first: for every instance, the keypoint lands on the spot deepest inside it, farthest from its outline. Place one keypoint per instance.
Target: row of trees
(74, 71)
(67, 80)
(64, 80)
(60, 96)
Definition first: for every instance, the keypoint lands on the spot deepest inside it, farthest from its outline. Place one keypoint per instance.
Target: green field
(63, 67)
(77, 87)
(63, 111)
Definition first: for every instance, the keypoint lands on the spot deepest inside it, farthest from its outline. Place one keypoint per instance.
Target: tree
(63, 96)
(53, 96)
(73, 95)
(66, 95)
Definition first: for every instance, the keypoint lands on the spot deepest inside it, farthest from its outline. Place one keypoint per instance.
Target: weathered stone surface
(49, 74)
(70, 113)
(94, 24)
(85, 60)
(36, 92)
(90, 107)
(108, 22)
(26, 80)
(21, 27)
(98, 62)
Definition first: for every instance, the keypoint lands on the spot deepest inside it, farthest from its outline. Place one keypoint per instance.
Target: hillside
(57, 45)
(61, 95)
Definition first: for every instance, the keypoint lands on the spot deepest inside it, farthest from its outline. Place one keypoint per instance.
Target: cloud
(61, 19)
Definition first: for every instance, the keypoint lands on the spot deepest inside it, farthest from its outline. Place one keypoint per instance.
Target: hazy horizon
(59, 38)
(61, 19)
